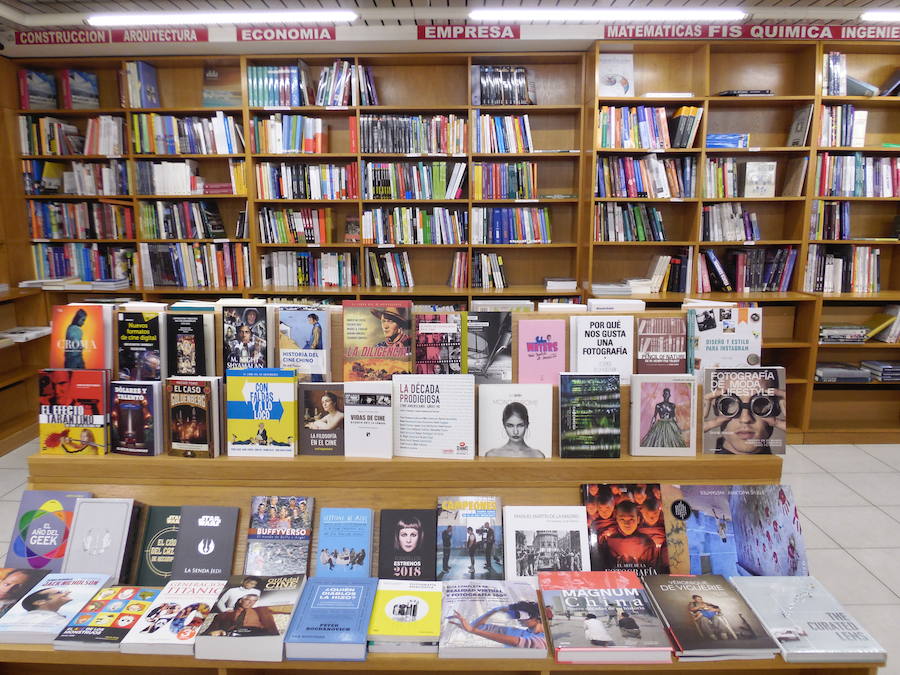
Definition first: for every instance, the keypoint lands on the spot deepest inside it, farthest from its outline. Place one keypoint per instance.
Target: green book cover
(158, 545)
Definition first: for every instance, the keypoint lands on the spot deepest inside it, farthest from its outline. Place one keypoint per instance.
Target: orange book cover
(80, 337)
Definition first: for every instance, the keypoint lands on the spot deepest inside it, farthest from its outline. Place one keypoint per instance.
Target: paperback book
(157, 550)
(41, 529)
(515, 420)
(368, 419)
(470, 538)
(134, 415)
(590, 415)
(304, 342)
(192, 408)
(603, 344)
(541, 350)
(663, 415)
(489, 346)
(434, 416)
(205, 542)
(15, 584)
(189, 344)
(106, 619)
(140, 340)
(406, 611)
(245, 335)
(406, 547)
(345, 543)
(81, 336)
(724, 337)
(261, 412)
(544, 539)
(102, 537)
(73, 411)
(441, 343)
(661, 345)
(377, 343)
(744, 411)
(279, 535)
(322, 428)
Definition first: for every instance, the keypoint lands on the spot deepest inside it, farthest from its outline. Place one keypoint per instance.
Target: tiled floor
(849, 498)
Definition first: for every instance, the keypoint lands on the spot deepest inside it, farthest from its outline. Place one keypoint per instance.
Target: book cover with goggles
(744, 411)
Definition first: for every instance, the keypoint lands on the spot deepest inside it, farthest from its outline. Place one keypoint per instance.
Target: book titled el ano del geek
(41, 529)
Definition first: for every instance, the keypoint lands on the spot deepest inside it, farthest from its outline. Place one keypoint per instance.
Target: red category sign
(694, 31)
(102, 36)
(284, 33)
(474, 32)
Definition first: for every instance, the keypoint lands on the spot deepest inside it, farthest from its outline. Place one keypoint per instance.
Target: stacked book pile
(884, 371)
(841, 373)
(851, 333)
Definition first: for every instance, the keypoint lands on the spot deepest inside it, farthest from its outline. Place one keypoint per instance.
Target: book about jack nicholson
(470, 538)
(73, 411)
(81, 337)
(261, 412)
(41, 529)
(406, 548)
(434, 416)
(590, 415)
(15, 584)
(304, 342)
(541, 350)
(279, 535)
(192, 406)
(106, 619)
(745, 411)
(377, 342)
(133, 418)
(441, 343)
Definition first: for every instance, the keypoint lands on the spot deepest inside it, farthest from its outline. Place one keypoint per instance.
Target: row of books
(280, 86)
(155, 134)
(829, 220)
(502, 85)
(291, 269)
(414, 225)
(88, 262)
(615, 221)
(883, 371)
(426, 134)
(503, 133)
(648, 127)
(459, 271)
(488, 271)
(390, 269)
(728, 221)
(757, 269)
(835, 372)
(295, 226)
(38, 89)
(843, 125)
(43, 177)
(504, 180)
(282, 133)
(511, 225)
(293, 180)
(80, 220)
(103, 135)
(181, 220)
(670, 272)
(343, 83)
(195, 265)
(182, 178)
(418, 180)
(731, 177)
(140, 88)
(648, 176)
(843, 268)
(857, 175)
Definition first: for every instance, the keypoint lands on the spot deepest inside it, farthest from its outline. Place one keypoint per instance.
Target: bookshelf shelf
(565, 154)
(191, 196)
(188, 156)
(190, 110)
(750, 100)
(859, 345)
(73, 113)
(647, 151)
(572, 108)
(855, 385)
(677, 200)
(650, 100)
(164, 290)
(310, 155)
(526, 202)
(333, 109)
(864, 101)
(868, 148)
(857, 242)
(79, 197)
(87, 240)
(554, 244)
(415, 201)
(758, 242)
(326, 245)
(198, 241)
(16, 375)
(753, 199)
(860, 199)
(308, 201)
(66, 158)
(757, 149)
(786, 344)
(667, 242)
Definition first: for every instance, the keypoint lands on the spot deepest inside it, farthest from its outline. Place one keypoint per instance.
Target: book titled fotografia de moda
(744, 411)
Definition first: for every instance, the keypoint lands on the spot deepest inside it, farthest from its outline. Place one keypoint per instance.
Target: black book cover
(158, 546)
(139, 346)
(186, 348)
(205, 547)
(407, 544)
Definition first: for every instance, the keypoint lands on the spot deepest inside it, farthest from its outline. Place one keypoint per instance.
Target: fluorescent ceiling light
(605, 15)
(193, 18)
(891, 17)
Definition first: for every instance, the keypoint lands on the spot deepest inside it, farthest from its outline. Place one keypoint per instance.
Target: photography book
(346, 536)
(406, 548)
(603, 344)
(72, 413)
(279, 535)
(377, 339)
(369, 419)
(434, 416)
(541, 348)
(663, 415)
(102, 537)
(41, 529)
(515, 420)
(469, 538)
(590, 415)
(106, 619)
(724, 337)
(407, 612)
(744, 411)
(489, 347)
(205, 547)
(661, 345)
(323, 418)
(135, 414)
(157, 549)
(544, 538)
(261, 412)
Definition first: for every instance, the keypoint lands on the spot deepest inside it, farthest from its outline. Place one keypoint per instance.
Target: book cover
(616, 73)
(81, 337)
(377, 343)
(106, 618)
(279, 535)
(221, 87)
(148, 85)
(590, 415)
(172, 622)
(543, 539)
(73, 411)
(15, 583)
(134, 415)
(663, 415)
(304, 342)
(406, 610)
(140, 346)
(368, 419)
(515, 420)
(769, 514)
(626, 526)
(322, 428)
(37, 90)
(188, 350)
(102, 537)
(82, 89)
(205, 547)
(604, 344)
(759, 179)
(744, 411)
(406, 547)
(345, 543)
(157, 551)
(261, 412)
(440, 344)
(41, 529)
(434, 416)
(470, 538)
(245, 332)
(191, 405)
(725, 337)
(489, 346)
(661, 345)
(541, 350)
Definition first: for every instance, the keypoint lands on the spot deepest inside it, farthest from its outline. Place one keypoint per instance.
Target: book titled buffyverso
(279, 535)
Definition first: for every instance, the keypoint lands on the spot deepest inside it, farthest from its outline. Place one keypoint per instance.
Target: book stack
(342, 84)
(389, 269)
(293, 180)
(414, 225)
(847, 373)
(857, 175)
(487, 271)
(195, 265)
(88, 262)
(282, 133)
(417, 134)
(829, 220)
(646, 177)
(840, 333)
(181, 220)
(80, 220)
(883, 371)
(728, 177)
(503, 85)
(421, 180)
(155, 134)
(843, 125)
(501, 180)
(295, 226)
(843, 269)
(636, 127)
(727, 140)
(616, 221)
(279, 86)
(510, 225)
(891, 331)
(503, 133)
(308, 268)
(728, 221)
(834, 74)
(755, 269)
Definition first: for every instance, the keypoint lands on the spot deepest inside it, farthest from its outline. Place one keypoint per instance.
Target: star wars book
(250, 619)
(102, 537)
(324, 417)
(406, 545)
(279, 535)
(590, 416)
(304, 342)
(469, 538)
(661, 345)
(41, 529)
(141, 341)
(744, 411)
(73, 411)
(434, 416)
(368, 419)
(603, 344)
(345, 543)
(515, 420)
(626, 526)
(377, 341)
(190, 350)
(157, 551)
(106, 618)
(809, 624)
(602, 617)
(15, 583)
(246, 342)
(46, 609)
(261, 412)
(441, 343)
(734, 530)
(492, 608)
(172, 622)
(663, 415)
(543, 539)
(205, 548)
(81, 336)
(407, 612)
(724, 337)
(708, 619)
(541, 349)
(192, 411)
(134, 418)
(489, 346)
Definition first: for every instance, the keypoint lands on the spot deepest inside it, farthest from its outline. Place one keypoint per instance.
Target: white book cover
(544, 539)
(604, 344)
(99, 535)
(759, 179)
(616, 75)
(434, 416)
(663, 415)
(515, 420)
(725, 337)
(615, 305)
(368, 419)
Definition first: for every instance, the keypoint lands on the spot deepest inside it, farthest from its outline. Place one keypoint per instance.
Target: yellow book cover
(878, 323)
(262, 412)
(407, 610)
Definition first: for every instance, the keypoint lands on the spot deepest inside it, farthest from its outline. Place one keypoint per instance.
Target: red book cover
(354, 137)
(81, 337)
(377, 342)
(72, 413)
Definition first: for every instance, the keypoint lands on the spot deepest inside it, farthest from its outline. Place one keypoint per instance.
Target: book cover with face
(744, 411)
(406, 549)
(377, 341)
(80, 337)
(515, 420)
(245, 337)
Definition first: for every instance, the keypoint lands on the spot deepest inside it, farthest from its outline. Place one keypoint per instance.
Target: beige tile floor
(849, 497)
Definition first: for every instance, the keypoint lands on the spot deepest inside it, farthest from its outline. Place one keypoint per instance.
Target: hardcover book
(759, 179)
(406, 547)
(140, 341)
(543, 538)
(205, 547)
(470, 538)
(15, 583)
(744, 411)
(489, 346)
(41, 529)
(245, 335)
(192, 408)
(322, 428)
(441, 343)
(73, 412)
(102, 537)
(407, 611)
(368, 419)
(157, 552)
(724, 337)
(221, 87)
(37, 90)
(189, 344)
(81, 89)
(590, 415)
(261, 412)
(603, 344)
(148, 86)
(377, 343)
(345, 543)
(515, 420)
(106, 619)
(81, 337)
(279, 535)
(663, 415)
(661, 345)
(135, 413)
(616, 73)
(434, 416)
(304, 342)
(541, 350)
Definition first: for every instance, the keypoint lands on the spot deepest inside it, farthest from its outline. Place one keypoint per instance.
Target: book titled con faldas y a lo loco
(134, 415)
(73, 411)
(246, 340)
(406, 616)
(324, 417)
(41, 529)
(106, 619)
(157, 552)
(663, 415)
(724, 337)
(102, 539)
(544, 539)
(262, 412)
(279, 535)
(603, 344)
(469, 538)
(345, 543)
(406, 549)
(744, 411)
(434, 416)
(192, 407)
(368, 419)
(515, 420)
(377, 341)
(81, 336)
(541, 350)
(590, 415)
(205, 542)
(304, 341)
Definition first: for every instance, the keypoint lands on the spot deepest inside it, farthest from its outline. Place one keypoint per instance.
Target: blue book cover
(345, 543)
(149, 85)
(37, 90)
(82, 89)
(41, 529)
(332, 612)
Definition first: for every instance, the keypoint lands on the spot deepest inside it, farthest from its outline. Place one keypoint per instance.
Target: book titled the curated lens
(744, 411)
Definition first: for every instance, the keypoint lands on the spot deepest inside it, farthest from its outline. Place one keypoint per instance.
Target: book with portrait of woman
(515, 420)
(744, 411)
(406, 548)
(322, 418)
(663, 415)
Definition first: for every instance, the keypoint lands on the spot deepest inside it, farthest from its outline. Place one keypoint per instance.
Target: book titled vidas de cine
(262, 412)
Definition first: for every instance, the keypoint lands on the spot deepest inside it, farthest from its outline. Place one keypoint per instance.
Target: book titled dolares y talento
(541, 348)
(81, 336)
(72, 417)
(745, 411)
(345, 543)
(377, 341)
(192, 410)
(205, 547)
(663, 415)
(261, 412)
(279, 535)
(469, 538)
(102, 539)
(135, 414)
(41, 529)
(106, 619)
(406, 546)
(434, 416)
(590, 415)
(157, 552)
(515, 420)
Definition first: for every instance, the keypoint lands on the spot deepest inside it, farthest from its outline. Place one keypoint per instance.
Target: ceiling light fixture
(605, 15)
(886, 16)
(194, 18)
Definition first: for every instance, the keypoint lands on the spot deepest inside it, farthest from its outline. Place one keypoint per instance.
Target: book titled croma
(81, 336)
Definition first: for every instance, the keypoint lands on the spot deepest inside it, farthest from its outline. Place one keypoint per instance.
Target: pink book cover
(542, 350)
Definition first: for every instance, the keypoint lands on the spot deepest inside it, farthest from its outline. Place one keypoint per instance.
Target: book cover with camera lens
(73, 411)
(744, 411)
(406, 547)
